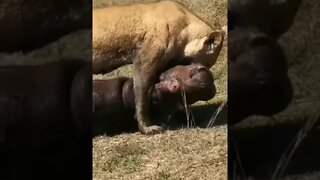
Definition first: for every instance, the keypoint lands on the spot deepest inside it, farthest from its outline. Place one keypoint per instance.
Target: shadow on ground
(200, 117)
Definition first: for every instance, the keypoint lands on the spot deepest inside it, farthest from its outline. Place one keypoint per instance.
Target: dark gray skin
(42, 119)
(273, 17)
(114, 98)
(257, 78)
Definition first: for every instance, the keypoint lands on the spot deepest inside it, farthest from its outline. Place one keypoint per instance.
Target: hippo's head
(194, 80)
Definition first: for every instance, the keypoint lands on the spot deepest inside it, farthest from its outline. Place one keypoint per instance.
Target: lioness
(152, 36)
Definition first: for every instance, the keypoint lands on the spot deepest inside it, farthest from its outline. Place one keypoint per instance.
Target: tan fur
(149, 35)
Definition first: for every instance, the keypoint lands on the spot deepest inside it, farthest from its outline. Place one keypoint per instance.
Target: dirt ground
(181, 154)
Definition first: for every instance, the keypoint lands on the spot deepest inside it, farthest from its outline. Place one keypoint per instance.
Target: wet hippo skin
(113, 99)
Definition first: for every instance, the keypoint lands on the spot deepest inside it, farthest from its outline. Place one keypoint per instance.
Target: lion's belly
(106, 60)
(115, 41)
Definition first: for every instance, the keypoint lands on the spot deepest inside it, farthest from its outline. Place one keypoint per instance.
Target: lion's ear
(209, 43)
(213, 41)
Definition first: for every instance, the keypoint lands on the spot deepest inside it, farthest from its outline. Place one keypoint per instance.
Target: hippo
(113, 99)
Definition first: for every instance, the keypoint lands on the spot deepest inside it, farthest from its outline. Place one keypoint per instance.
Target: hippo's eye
(193, 72)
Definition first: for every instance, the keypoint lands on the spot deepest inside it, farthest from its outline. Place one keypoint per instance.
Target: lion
(153, 37)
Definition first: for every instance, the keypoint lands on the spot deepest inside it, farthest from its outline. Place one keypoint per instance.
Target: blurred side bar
(46, 90)
(273, 89)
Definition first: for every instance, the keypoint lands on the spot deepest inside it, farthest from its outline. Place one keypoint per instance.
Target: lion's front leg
(146, 68)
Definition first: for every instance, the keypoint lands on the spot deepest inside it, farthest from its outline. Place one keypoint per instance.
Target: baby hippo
(113, 99)
(257, 78)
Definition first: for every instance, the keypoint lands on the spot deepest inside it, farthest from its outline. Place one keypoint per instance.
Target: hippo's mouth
(168, 86)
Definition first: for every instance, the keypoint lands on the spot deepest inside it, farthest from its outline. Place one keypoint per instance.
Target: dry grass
(183, 154)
